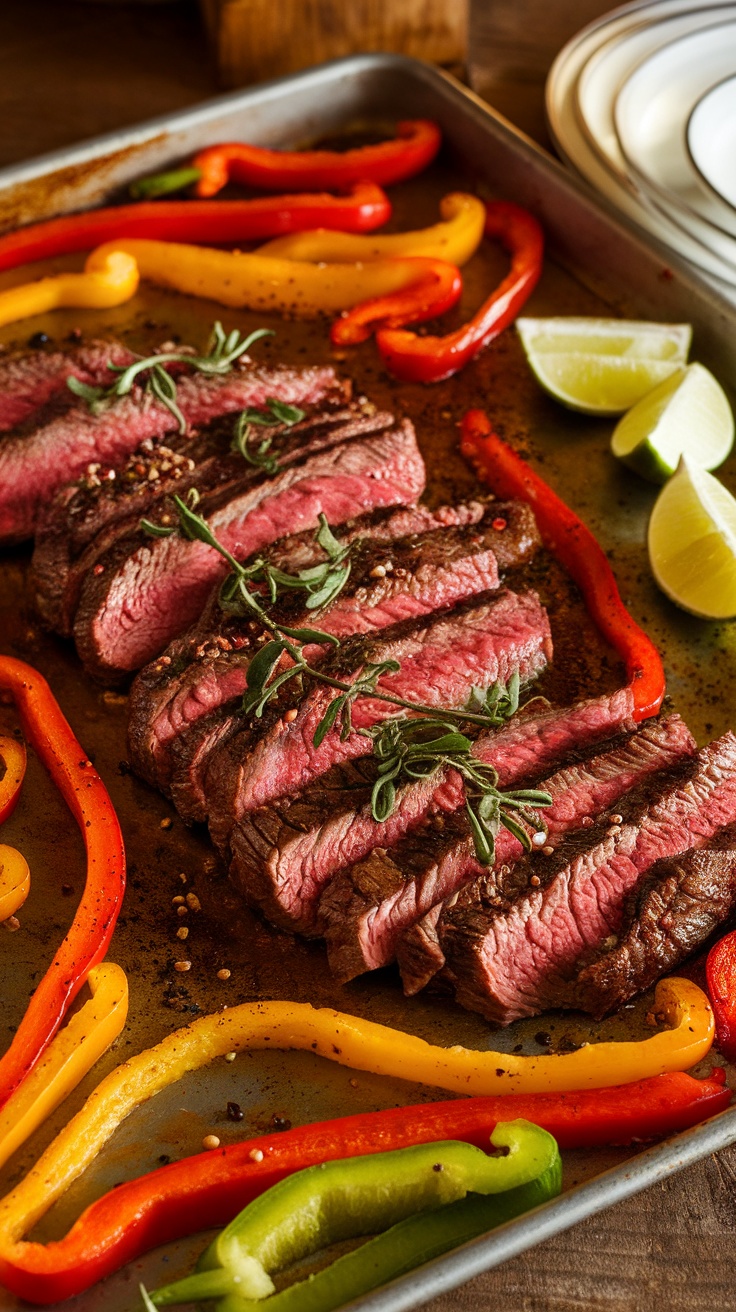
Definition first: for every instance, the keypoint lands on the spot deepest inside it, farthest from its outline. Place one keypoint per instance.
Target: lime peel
(688, 414)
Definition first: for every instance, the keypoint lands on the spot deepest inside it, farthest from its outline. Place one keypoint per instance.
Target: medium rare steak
(63, 443)
(305, 840)
(474, 646)
(671, 912)
(421, 573)
(365, 909)
(514, 949)
(29, 379)
(146, 590)
(85, 519)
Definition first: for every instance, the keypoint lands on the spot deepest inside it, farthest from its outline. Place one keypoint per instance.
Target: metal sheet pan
(597, 266)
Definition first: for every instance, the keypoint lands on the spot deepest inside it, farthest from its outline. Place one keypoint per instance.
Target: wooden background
(69, 70)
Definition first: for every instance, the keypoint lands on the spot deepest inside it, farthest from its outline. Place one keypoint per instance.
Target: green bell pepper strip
(342, 1199)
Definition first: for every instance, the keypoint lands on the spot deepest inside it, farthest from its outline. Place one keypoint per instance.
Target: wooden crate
(258, 39)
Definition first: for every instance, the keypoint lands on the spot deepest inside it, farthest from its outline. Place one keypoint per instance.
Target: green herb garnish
(277, 412)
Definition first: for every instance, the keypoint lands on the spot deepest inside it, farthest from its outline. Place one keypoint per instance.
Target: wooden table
(70, 70)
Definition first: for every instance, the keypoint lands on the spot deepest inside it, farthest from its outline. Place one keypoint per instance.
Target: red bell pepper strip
(434, 293)
(363, 208)
(91, 930)
(414, 147)
(720, 973)
(416, 359)
(13, 764)
(209, 1189)
(578, 551)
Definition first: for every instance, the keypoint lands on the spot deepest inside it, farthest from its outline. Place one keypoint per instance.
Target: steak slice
(305, 840)
(365, 909)
(85, 519)
(28, 380)
(440, 661)
(35, 464)
(673, 910)
(207, 668)
(145, 591)
(513, 951)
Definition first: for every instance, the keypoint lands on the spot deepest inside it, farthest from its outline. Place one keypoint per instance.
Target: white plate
(575, 148)
(651, 112)
(711, 139)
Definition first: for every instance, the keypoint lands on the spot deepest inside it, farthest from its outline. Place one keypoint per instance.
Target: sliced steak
(85, 519)
(365, 909)
(513, 949)
(304, 841)
(671, 912)
(207, 668)
(439, 661)
(34, 464)
(145, 590)
(29, 379)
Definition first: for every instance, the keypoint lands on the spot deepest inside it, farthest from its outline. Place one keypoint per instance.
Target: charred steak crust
(145, 591)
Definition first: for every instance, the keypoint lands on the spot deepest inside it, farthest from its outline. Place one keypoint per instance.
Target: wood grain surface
(69, 70)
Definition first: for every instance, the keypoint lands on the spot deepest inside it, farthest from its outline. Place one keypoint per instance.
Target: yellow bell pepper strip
(455, 239)
(12, 773)
(107, 281)
(259, 283)
(15, 880)
(433, 294)
(68, 1058)
(91, 930)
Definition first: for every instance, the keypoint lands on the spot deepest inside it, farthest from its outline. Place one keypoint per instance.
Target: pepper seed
(178, 901)
(193, 902)
(224, 973)
(167, 822)
(182, 932)
(182, 966)
(182, 911)
(535, 881)
(210, 1141)
(291, 715)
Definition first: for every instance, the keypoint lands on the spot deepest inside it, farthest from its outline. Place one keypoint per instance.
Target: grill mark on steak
(476, 645)
(329, 826)
(208, 666)
(34, 465)
(86, 519)
(519, 960)
(149, 590)
(671, 912)
(29, 380)
(365, 909)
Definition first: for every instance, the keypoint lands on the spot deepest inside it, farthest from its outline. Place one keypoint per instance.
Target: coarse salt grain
(256, 1155)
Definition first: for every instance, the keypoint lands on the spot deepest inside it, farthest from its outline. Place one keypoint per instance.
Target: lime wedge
(688, 414)
(692, 543)
(602, 366)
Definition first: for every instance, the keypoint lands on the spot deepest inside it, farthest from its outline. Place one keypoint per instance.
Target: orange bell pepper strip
(108, 280)
(12, 773)
(15, 880)
(577, 550)
(91, 930)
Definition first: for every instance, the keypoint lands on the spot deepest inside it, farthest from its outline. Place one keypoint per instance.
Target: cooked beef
(513, 949)
(86, 518)
(439, 660)
(62, 443)
(29, 379)
(671, 912)
(207, 667)
(365, 908)
(144, 591)
(303, 841)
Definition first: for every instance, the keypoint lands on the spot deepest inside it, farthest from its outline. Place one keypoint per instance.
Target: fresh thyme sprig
(222, 353)
(276, 412)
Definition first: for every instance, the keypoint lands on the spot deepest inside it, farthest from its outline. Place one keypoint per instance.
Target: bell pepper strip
(435, 292)
(205, 1191)
(259, 283)
(578, 551)
(720, 971)
(343, 1199)
(12, 773)
(107, 281)
(456, 238)
(70, 1055)
(15, 880)
(91, 930)
(414, 147)
(364, 207)
(416, 359)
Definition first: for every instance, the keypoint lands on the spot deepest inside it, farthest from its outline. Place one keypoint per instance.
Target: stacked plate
(642, 103)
